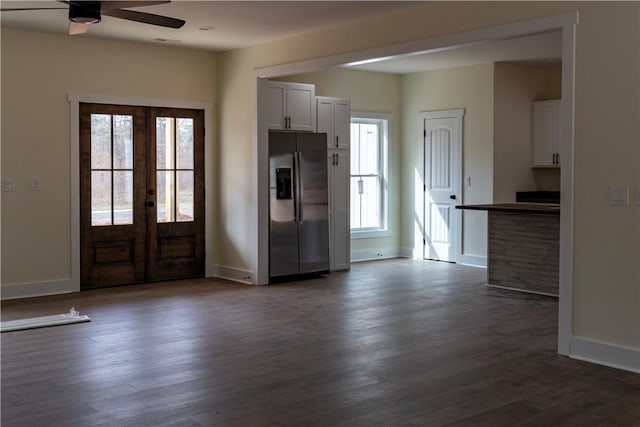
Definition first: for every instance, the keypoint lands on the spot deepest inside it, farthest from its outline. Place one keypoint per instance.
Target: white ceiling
(236, 24)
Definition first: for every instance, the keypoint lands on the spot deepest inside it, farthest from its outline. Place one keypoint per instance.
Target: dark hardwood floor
(395, 343)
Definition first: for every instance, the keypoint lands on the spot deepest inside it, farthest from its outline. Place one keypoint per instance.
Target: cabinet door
(276, 104)
(342, 124)
(545, 131)
(340, 231)
(301, 106)
(324, 122)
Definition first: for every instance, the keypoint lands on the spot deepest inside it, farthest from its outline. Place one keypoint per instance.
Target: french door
(141, 194)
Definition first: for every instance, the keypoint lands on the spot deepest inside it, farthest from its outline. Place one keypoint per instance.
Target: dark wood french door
(141, 194)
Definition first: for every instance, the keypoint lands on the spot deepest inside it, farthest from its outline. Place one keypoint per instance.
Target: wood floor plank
(396, 342)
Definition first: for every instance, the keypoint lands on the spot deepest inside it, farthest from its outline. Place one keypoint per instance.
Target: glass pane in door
(100, 198)
(111, 169)
(185, 196)
(185, 143)
(165, 196)
(122, 197)
(100, 141)
(175, 169)
(122, 142)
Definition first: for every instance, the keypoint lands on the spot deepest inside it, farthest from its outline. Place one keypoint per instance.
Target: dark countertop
(543, 208)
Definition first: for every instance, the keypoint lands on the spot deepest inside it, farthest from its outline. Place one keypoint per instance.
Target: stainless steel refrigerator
(298, 204)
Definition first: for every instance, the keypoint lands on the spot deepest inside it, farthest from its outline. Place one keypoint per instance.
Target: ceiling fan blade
(145, 18)
(115, 4)
(15, 9)
(76, 28)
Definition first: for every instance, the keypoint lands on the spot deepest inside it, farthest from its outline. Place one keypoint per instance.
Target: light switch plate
(619, 196)
(8, 185)
(33, 184)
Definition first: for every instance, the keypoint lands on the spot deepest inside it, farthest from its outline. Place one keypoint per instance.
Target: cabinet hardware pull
(337, 142)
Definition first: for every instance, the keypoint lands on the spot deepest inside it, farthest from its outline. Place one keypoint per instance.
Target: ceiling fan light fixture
(84, 12)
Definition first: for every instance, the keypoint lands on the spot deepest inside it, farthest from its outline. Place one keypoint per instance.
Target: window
(369, 183)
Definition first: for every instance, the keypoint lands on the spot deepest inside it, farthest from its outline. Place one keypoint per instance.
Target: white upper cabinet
(290, 106)
(334, 118)
(546, 133)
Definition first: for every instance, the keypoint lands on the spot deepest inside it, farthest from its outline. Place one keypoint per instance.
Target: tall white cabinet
(290, 106)
(545, 133)
(334, 118)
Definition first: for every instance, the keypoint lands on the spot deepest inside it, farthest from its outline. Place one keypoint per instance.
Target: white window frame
(385, 121)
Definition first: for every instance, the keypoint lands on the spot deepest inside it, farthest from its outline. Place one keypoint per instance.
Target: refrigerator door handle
(300, 187)
(296, 193)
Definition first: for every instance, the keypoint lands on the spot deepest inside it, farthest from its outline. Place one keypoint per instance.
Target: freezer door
(313, 212)
(283, 228)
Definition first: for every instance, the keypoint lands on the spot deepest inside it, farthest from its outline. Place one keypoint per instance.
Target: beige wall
(606, 276)
(515, 88)
(470, 88)
(38, 70)
(372, 93)
(606, 282)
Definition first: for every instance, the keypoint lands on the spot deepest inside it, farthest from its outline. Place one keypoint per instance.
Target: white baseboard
(374, 254)
(406, 252)
(605, 354)
(36, 289)
(473, 260)
(234, 274)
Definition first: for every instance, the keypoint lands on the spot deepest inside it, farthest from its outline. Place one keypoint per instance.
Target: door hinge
(424, 187)
(424, 133)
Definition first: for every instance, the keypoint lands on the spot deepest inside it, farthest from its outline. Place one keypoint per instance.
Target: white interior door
(442, 186)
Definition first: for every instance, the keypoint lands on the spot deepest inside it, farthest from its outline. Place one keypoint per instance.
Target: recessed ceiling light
(206, 28)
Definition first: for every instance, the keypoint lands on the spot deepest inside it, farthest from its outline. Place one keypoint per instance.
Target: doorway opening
(566, 23)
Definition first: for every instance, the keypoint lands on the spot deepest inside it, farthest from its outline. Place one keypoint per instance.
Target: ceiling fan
(84, 13)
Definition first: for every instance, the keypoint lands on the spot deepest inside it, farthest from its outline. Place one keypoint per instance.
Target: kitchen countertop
(543, 208)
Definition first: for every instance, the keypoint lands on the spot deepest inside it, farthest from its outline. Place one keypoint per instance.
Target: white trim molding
(234, 274)
(359, 255)
(36, 289)
(606, 354)
(473, 260)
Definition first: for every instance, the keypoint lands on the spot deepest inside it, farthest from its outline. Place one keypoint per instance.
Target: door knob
(452, 197)
(151, 204)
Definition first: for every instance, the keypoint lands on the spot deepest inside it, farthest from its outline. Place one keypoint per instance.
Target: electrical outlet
(8, 185)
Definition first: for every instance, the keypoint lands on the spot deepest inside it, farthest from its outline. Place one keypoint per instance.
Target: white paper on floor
(73, 316)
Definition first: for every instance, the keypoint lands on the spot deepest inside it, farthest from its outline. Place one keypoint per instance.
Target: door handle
(151, 204)
(452, 197)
